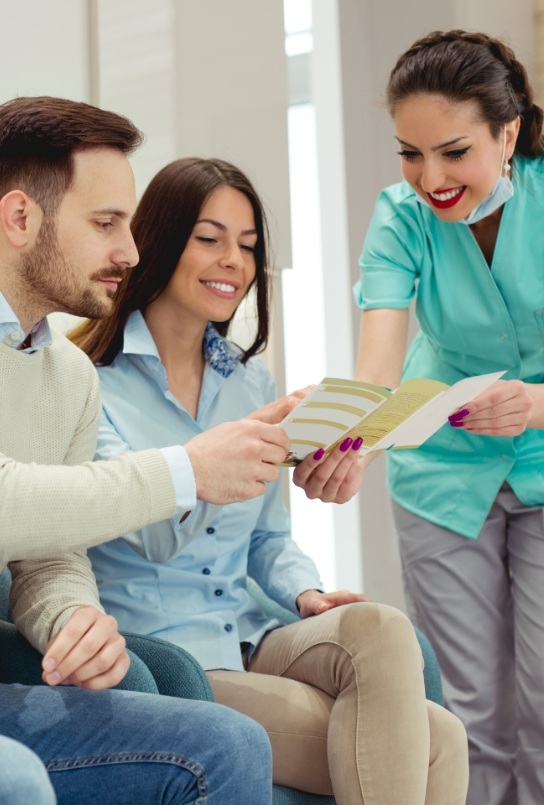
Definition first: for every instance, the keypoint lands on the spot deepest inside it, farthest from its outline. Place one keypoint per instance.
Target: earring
(506, 167)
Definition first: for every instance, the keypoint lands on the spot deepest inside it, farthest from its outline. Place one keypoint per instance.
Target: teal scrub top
(473, 319)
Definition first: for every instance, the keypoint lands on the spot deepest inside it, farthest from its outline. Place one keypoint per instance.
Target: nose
(432, 176)
(232, 256)
(126, 253)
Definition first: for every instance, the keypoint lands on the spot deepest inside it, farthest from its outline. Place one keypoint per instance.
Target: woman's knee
(368, 625)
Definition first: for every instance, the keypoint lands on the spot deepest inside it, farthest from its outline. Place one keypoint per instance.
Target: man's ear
(20, 218)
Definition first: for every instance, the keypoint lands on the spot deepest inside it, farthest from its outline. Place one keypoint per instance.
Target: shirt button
(206, 571)
(14, 336)
(504, 336)
(228, 627)
(219, 592)
(210, 530)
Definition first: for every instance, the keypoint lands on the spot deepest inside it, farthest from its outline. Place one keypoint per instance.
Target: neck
(28, 310)
(178, 339)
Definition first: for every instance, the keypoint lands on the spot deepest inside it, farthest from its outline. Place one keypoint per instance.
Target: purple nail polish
(346, 444)
(318, 455)
(456, 423)
(459, 415)
(357, 443)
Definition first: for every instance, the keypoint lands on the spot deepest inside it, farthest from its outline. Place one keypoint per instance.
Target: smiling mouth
(446, 198)
(224, 287)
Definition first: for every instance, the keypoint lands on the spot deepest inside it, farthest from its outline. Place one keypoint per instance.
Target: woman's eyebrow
(435, 147)
(219, 225)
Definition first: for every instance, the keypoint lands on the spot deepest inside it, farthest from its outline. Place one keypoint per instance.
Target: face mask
(503, 190)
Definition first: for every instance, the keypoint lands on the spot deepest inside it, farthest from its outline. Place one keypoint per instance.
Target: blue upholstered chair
(161, 667)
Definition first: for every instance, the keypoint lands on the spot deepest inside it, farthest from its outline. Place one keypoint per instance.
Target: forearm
(44, 594)
(382, 346)
(46, 509)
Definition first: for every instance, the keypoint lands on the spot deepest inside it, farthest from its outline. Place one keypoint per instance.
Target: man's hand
(333, 479)
(88, 652)
(233, 461)
(312, 602)
(274, 412)
(504, 409)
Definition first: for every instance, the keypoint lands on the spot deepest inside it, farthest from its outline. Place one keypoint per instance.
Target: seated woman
(341, 694)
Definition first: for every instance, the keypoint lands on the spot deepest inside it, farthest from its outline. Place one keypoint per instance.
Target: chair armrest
(176, 672)
(21, 662)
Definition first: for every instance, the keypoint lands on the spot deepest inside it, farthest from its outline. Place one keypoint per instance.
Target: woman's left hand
(312, 602)
(504, 409)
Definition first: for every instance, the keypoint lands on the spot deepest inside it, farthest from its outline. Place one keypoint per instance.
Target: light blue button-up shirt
(186, 581)
(473, 319)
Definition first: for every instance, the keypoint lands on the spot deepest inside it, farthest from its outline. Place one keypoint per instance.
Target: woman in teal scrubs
(463, 235)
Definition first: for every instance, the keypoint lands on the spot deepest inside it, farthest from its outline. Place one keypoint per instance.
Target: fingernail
(318, 455)
(457, 423)
(49, 664)
(459, 415)
(357, 443)
(346, 444)
(54, 678)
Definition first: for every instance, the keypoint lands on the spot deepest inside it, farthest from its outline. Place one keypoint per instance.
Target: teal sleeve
(392, 253)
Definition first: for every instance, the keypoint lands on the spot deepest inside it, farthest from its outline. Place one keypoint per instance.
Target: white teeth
(221, 286)
(447, 195)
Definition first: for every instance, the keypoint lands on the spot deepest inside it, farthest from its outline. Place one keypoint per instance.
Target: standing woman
(340, 691)
(464, 235)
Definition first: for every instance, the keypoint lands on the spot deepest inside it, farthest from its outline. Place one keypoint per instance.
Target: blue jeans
(23, 778)
(119, 747)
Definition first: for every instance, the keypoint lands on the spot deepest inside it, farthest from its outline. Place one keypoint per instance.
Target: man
(66, 199)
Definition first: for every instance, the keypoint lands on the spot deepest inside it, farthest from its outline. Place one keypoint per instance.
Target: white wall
(44, 49)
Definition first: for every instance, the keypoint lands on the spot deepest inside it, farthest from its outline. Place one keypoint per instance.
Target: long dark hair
(162, 225)
(463, 66)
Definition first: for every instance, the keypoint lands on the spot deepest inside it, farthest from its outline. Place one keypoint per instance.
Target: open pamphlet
(385, 419)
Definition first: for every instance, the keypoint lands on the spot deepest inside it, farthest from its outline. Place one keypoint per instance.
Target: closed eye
(202, 239)
(409, 156)
(457, 153)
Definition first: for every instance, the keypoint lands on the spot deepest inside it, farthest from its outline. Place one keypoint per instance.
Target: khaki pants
(341, 696)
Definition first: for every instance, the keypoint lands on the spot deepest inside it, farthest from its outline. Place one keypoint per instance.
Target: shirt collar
(217, 351)
(12, 334)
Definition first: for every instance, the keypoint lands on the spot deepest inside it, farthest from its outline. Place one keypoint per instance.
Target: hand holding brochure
(403, 418)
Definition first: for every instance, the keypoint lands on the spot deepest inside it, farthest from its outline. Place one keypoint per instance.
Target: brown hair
(162, 225)
(465, 66)
(39, 135)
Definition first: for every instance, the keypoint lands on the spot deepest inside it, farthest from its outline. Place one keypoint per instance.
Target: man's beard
(52, 279)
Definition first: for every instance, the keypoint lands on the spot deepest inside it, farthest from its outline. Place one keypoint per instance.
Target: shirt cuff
(183, 478)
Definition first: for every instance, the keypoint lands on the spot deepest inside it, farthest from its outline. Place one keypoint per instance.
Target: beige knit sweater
(51, 512)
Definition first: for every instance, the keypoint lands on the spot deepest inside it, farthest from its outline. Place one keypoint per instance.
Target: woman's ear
(511, 131)
(20, 218)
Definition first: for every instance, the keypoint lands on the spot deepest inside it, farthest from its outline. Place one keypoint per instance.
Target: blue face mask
(503, 190)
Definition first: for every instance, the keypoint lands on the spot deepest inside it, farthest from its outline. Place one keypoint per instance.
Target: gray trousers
(481, 604)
